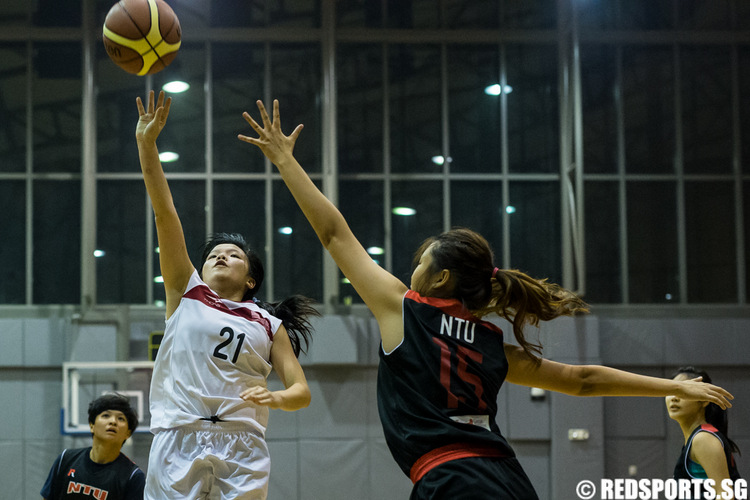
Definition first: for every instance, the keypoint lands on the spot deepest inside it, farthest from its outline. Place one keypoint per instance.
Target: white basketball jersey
(211, 351)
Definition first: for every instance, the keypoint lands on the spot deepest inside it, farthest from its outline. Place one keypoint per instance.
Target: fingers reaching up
(271, 140)
(152, 118)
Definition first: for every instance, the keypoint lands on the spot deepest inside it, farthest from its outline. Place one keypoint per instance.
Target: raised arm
(175, 262)
(596, 380)
(381, 291)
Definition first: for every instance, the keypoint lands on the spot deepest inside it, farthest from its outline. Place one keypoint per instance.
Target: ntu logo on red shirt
(85, 489)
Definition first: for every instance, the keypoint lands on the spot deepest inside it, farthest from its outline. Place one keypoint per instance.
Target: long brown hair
(509, 293)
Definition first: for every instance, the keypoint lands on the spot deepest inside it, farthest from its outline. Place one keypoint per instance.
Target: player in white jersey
(209, 400)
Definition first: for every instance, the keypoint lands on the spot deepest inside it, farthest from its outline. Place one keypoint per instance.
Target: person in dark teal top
(707, 453)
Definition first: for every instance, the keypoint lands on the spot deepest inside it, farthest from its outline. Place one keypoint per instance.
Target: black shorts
(475, 478)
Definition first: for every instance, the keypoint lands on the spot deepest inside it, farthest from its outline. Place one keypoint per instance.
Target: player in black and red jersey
(101, 470)
(441, 365)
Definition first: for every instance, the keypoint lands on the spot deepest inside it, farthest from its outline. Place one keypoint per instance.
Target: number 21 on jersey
(219, 350)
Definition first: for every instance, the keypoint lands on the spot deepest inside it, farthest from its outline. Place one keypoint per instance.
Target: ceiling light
(168, 157)
(403, 211)
(175, 87)
(498, 89)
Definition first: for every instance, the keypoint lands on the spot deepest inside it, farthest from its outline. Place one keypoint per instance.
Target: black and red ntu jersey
(437, 391)
(75, 475)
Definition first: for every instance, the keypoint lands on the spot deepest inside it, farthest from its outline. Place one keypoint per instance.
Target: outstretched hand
(151, 120)
(696, 390)
(271, 140)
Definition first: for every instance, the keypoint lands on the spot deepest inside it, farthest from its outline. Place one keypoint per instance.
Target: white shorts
(212, 461)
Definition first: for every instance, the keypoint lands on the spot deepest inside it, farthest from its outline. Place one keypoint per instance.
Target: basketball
(142, 36)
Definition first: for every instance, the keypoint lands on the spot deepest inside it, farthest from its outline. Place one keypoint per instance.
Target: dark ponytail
(484, 289)
(714, 414)
(294, 312)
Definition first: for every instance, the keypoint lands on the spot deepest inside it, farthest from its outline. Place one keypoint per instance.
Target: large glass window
(705, 14)
(414, 105)
(13, 153)
(653, 270)
(706, 93)
(533, 112)
(56, 92)
(711, 251)
(13, 125)
(532, 14)
(121, 242)
(361, 203)
(117, 115)
(190, 202)
(15, 13)
(603, 251)
(746, 218)
(57, 242)
(185, 132)
(296, 82)
(478, 205)
(416, 214)
(359, 92)
(474, 109)
(476, 14)
(297, 252)
(535, 235)
(237, 82)
(743, 66)
(13, 249)
(53, 13)
(648, 109)
(240, 207)
(600, 117)
(628, 15)
(450, 111)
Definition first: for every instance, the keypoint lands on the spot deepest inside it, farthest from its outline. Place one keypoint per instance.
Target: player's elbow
(299, 399)
(305, 400)
(584, 381)
(300, 402)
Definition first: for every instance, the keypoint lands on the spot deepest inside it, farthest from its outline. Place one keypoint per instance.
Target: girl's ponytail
(295, 313)
(523, 300)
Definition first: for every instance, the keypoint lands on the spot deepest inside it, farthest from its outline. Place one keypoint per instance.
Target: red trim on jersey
(709, 428)
(451, 307)
(207, 296)
(444, 454)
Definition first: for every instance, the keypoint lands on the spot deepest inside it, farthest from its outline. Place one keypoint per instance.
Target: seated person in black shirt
(100, 471)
